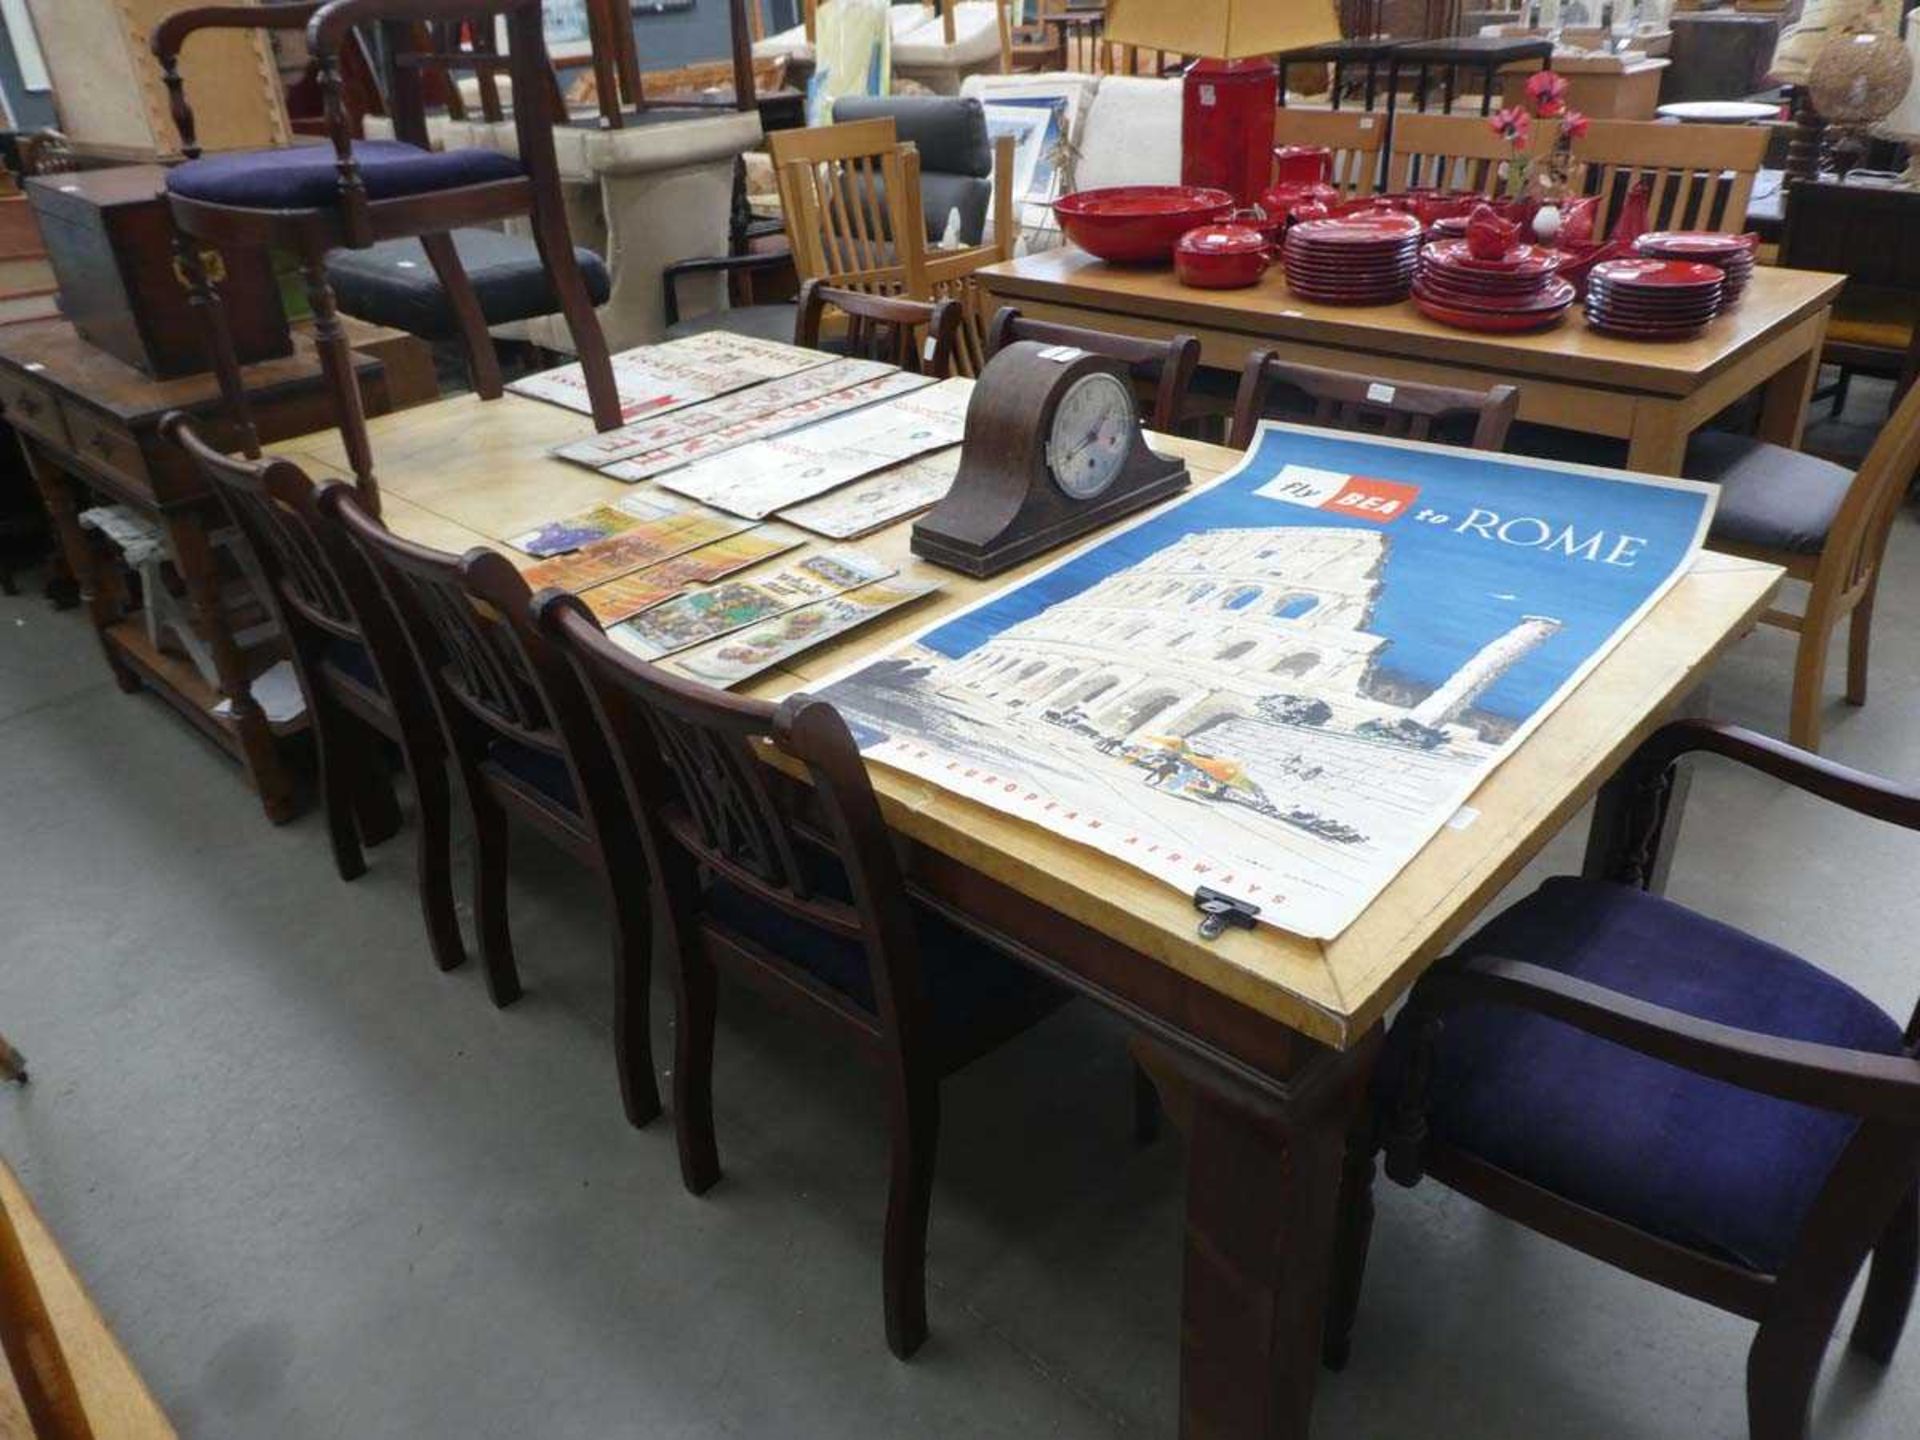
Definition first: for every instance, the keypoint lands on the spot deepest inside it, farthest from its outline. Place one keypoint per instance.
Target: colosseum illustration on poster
(1218, 701)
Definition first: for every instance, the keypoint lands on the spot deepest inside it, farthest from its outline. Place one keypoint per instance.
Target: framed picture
(1041, 124)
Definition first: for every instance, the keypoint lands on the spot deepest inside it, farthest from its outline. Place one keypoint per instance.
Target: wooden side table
(89, 426)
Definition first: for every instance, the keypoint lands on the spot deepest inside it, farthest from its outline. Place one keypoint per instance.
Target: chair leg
(1896, 1260)
(433, 863)
(1781, 1369)
(13, 1065)
(483, 362)
(589, 342)
(633, 1000)
(1147, 1112)
(490, 895)
(206, 303)
(334, 759)
(1351, 1242)
(1809, 683)
(1840, 389)
(373, 798)
(914, 1115)
(694, 979)
(336, 367)
(1859, 642)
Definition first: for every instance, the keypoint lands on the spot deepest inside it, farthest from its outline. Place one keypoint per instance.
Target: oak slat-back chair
(524, 741)
(1354, 136)
(1162, 369)
(1452, 152)
(851, 196)
(358, 675)
(1401, 409)
(797, 874)
(1701, 176)
(1843, 576)
(291, 199)
(1862, 1200)
(914, 334)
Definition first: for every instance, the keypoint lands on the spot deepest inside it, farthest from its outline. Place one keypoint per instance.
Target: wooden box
(108, 92)
(110, 238)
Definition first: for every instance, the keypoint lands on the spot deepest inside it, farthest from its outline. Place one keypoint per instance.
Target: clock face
(1093, 428)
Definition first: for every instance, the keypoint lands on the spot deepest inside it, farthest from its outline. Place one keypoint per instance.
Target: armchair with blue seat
(351, 193)
(1668, 1094)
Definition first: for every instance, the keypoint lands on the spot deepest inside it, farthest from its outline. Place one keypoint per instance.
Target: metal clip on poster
(1221, 912)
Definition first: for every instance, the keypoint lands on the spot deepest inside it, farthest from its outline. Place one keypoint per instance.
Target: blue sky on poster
(1447, 589)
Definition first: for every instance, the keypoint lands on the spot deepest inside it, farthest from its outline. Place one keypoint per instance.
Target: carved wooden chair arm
(1856, 1082)
(1855, 789)
(171, 34)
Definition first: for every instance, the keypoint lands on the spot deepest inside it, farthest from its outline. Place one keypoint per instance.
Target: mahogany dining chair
(797, 892)
(1669, 1094)
(917, 335)
(1276, 389)
(1827, 526)
(309, 199)
(522, 737)
(1162, 369)
(357, 675)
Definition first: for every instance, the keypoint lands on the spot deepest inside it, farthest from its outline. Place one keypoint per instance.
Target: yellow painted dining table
(1271, 1036)
(1653, 394)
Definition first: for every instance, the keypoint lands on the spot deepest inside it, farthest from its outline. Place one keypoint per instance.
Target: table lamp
(1903, 124)
(1231, 93)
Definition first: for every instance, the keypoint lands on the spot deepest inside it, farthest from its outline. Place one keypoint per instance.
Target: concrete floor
(324, 1191)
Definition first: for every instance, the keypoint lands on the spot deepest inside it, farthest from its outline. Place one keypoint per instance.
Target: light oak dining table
(1272, 1037)
(1652, 394)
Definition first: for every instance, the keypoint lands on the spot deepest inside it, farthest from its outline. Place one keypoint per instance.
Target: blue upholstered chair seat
(540, 769)
(970, 986)
(1707, 1165)
(351, 659)
(303, 177)
(393, 283)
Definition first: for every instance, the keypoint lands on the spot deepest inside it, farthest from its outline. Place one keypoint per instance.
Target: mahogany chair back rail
(355, 669)
(1478, 419)
(1451, 152)
(351, 218)
(1355, 137)
(1700, 176)
(1162, 369)
(519, 730)
(914, 334)
(426, 60)
(1868, 1205)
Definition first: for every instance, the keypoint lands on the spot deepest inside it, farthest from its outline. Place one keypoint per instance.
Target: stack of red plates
(1364, 259)
(1731, 253)
(1646, 299)
(1519, 291)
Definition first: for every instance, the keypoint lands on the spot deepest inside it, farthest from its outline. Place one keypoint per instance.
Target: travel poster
(1284, 684)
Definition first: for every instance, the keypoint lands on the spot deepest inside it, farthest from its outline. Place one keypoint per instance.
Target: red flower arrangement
(1547, 93)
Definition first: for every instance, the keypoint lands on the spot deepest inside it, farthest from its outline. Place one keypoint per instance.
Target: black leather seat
(1771, 498)
(393, 284)
(956, 156)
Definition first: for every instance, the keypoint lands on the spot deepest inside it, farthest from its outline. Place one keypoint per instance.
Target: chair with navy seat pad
(795, 889)
(356, 673)
(522, 737)
(1826, 526)
(393, 283)
(353, 193)
(1669, 1094)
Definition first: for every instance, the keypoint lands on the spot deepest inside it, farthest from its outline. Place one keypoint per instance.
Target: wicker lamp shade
(1859, 78)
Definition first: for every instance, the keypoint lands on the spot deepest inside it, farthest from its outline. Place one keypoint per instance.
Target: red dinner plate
(1472, 285)
(1557, 297)
(1643, 273)
(1695, 244)
(1645, 332)
(1521, 260)
(1488, 322)
(1369, 226)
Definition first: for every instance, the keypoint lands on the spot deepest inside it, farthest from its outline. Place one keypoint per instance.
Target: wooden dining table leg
(1264, 1167)
(1658, 444)
(1784, 398)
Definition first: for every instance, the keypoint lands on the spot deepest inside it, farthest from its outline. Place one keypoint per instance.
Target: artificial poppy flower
(1548, 92)
(1512, 124)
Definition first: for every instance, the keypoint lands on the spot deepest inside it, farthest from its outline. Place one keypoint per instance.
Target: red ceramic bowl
(1221, 257)
(1138, 224)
